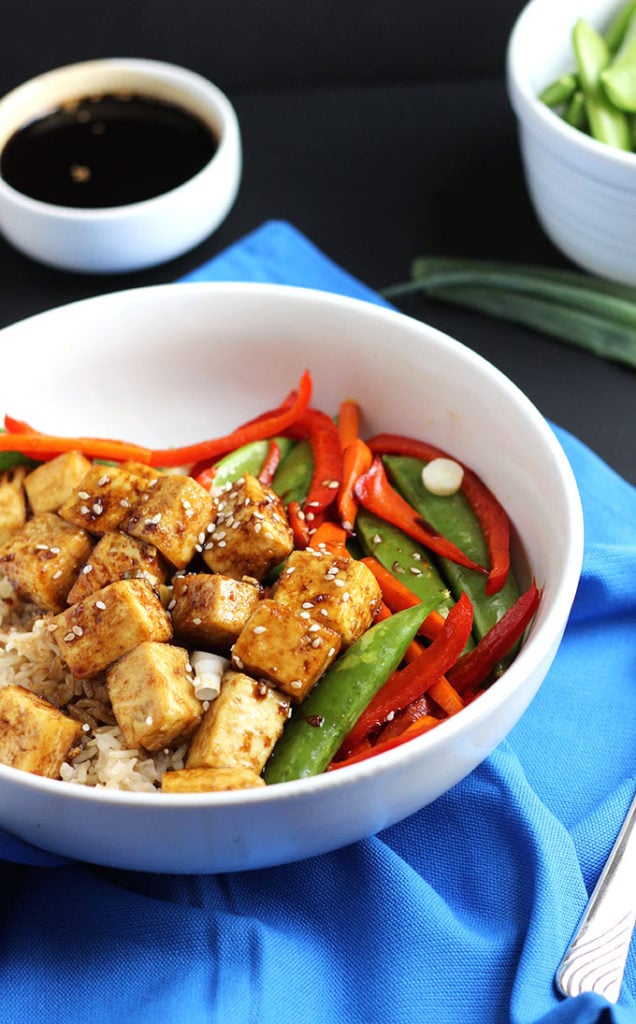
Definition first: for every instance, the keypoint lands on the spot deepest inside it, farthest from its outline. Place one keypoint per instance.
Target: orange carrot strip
(423, 724)
(330, 535)
(49, 445)
(398, 597)
(356, 460)
(446, 696)
(348, 422)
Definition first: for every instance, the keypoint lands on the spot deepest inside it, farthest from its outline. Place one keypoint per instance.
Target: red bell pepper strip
(13, 426)
(376, 494)
(322, 434)
(254, 430)
(409, 683)
(473, 668)
(424, 723)
(299, 525)
(270, 465)
(356, 461)
(205, 477)
(490, 514)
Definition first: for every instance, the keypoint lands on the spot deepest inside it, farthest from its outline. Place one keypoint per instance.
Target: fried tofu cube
(241, 726)
(43, 559)
(103, 499)
(117, 556)
(34, 735)
(337, 590)
(210, 610)
(286, 647)
(151, 693)
(148, 473)
(250, 533)
(209, 780)
(174, 518)
(95, 632)
(12, 502)
(48, 486)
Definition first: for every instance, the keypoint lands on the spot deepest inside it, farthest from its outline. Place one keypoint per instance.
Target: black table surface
(383, 131)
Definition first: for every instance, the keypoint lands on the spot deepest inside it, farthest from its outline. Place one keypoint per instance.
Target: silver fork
(595, 959)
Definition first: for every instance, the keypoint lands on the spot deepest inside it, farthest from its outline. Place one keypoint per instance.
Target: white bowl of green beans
(571, 71)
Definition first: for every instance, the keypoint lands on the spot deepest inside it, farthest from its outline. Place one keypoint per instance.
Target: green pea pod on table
(319, 725)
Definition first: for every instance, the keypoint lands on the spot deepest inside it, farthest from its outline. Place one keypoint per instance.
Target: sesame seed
(309, 516)
(87, 568)
(100, 605)
(55, 551)
(103, 480)
(97, 508)
(296, 684)
(41, 547)
(69, 637)
(78, 630)
(259, 629)
(307, 604)
(346, 597)
(332, 651)
(414, 569)
(397, 567)
(338, 583)
(124, 503)
(317, 642)
(52, 626)
(85, 510)
(197, 621)
(57, 574)
(314, 627)
(84, 495)
(149, 720)
(172, 604)
(222, 543)
(377, 539)
(86, 727)
(290, 569)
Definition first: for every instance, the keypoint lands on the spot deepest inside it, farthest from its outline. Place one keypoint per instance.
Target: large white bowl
(583, 191)
(179, 363)
(141, 234)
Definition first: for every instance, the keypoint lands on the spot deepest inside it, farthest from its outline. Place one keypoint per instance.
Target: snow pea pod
(405, 559)
(452, 515)
(319, 725)
(560, 91)
(292, 479)
(249, 458)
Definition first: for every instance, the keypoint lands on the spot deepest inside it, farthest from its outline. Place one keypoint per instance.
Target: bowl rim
(145, 69)
(544, 634)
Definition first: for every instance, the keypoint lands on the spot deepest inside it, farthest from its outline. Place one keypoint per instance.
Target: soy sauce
(104, 151)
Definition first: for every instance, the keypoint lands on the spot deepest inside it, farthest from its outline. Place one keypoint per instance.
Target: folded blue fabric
(459, 914)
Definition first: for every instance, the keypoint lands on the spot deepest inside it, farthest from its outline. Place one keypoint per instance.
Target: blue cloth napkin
(459, 914)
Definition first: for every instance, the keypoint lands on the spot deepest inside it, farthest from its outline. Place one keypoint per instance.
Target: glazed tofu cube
(209, 780)
(34, 735)
(339, 591)
(148, 473)
(94, 633)
(150, 689)
(117, 556)
(103, 499)
(250, 533)
(48, 486)
(286, 647)
(43, 559)
(241, 726)
(174, 518)
(210, 610)
(12, 502)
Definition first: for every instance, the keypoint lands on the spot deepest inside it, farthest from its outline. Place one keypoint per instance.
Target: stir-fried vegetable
(352, 606)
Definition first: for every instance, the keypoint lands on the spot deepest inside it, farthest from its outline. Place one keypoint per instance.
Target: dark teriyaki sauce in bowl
(105, 151)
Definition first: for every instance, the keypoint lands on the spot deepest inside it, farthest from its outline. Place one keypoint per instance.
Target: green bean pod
(452, 516)
(619, 77)
(607, 123)
(319, 725)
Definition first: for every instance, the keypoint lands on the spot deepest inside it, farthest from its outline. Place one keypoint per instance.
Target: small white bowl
(140, 234)
(583, 191)
(211, 356)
